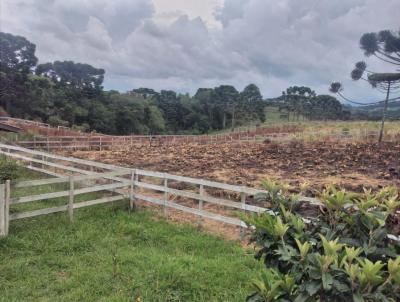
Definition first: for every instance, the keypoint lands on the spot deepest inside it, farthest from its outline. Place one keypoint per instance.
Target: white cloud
(170, 10)
(183, 45)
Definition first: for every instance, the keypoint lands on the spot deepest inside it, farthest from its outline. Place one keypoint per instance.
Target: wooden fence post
(165, 197)
(136, 179)
(132, 193)
(243, 201)
(201, 192)
(71, 199)
(2, 210)
(7, 206)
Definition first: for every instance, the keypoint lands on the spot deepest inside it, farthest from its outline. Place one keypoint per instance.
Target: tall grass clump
(9, 169)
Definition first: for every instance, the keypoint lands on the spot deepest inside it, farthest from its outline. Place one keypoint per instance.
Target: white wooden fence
(117, 142)
(140, 185)
(134, 184)
(6, 199)
(104, 142)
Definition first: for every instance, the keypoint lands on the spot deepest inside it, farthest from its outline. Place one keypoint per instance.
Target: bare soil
(349, 165)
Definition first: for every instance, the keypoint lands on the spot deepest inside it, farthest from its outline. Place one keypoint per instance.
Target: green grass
(274, 119)
(26, 174)
(329, 127)
(109, 254)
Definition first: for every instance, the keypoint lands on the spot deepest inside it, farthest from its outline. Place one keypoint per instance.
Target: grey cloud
(120, 17)
(233, 9)
(309, 41)
(272, 43)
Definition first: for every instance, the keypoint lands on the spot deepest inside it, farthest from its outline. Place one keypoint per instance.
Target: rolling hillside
(374, 112)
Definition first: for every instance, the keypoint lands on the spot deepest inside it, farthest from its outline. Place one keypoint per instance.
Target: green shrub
(340, 253)
(8, 169)
(345, 131)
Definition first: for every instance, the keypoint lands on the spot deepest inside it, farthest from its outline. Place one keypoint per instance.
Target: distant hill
(374, 112)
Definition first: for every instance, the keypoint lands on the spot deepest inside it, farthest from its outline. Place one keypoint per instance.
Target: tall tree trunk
(224, 121)
(384, 113)
(210, 115)
(233, 118)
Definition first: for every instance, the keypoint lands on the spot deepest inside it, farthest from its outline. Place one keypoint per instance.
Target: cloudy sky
(186, 44)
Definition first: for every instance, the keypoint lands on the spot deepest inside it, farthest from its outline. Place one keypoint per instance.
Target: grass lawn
(109, 254)
(273, 119)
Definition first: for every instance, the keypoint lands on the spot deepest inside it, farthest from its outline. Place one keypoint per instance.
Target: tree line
(71, 94)
(300, 102)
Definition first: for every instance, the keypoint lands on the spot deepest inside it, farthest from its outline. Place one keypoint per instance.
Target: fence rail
(72, 143)
(104, 142)
(6, 191)
(134, 184)
(41, 128)
(64, 138)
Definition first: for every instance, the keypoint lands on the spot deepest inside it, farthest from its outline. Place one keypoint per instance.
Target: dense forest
(71, 94)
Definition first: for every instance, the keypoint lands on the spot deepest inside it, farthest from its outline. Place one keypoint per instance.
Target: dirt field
(351, 165)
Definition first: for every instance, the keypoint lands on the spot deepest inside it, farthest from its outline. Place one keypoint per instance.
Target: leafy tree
(154, 118)
(38, 102)
(326, 107)
(385, 45)
(135, 115)
(146, 93)
(80, 76)
(297, 99)
(71, 94)
(17, 58)
(169, 104)
(101, 119)
(305, 102)
(226, 99)
(198, 120)
(56, 120)
(208, 107)
(251, 103)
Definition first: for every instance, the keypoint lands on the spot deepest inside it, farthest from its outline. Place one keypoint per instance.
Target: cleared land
(350, 165)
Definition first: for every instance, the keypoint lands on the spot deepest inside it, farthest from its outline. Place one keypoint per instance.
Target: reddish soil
(349, 165)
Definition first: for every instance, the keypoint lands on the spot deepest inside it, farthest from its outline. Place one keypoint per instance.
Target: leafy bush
(345, 131)
(341, 252)
(57, 121)
(8, 169)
